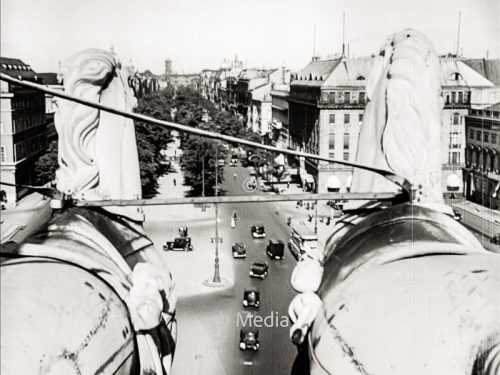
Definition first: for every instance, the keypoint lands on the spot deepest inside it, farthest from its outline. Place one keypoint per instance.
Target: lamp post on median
(216, 271)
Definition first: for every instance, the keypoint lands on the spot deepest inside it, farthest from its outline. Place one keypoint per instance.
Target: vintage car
(249, 339)
(258, 231)
(239, 250)
(251, 297)
(179, 244)
(496, 239)
(275, 249)
(259, 269)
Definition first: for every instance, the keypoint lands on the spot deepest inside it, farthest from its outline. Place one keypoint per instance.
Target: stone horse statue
(401, 288)
(89, 294)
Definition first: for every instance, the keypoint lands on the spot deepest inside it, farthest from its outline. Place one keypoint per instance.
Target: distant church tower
(168, 69)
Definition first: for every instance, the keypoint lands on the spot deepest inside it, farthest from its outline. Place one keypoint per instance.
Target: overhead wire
(400, 181)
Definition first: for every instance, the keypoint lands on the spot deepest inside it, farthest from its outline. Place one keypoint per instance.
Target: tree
(151, 140)
(199, 162)
(47, 165)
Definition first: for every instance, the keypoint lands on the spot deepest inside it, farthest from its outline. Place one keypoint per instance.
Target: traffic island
(217, 284)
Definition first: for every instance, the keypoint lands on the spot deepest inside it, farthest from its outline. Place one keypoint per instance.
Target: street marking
(250, 184)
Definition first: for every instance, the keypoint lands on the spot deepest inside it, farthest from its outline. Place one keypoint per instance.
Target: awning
(453, 182)
(333, 184)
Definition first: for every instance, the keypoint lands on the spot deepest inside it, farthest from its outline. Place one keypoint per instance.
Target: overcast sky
(199, 34)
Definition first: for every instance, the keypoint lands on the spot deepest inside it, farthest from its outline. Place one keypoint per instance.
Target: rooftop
(455, 72)
(488, 68)
(16, 68)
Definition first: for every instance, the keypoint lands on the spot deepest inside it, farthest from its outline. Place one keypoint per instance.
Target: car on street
(251, 297)
(249, 338)
(239, 250)
(258, 231)
(179, 244)
(221, 163)
(303, 241)
(496, 239)
(259, 269)
(275, 249)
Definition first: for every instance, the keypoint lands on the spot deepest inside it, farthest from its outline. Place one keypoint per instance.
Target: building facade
(326, 106)
(23, 129)
(481, 174)
(279, 121)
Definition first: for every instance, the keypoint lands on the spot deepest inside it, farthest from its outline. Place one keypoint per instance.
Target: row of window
(485, 136)
(347, 118)
(331, 141)
(15, 66)
(455, 140)
(345, 155)
(25, 102)
(457, 97)
(27, 122)
(485, 113)
(29, 146)
(338, 97)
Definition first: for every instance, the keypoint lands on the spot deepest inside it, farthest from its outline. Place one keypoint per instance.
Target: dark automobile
(251, 297)
(249, 339)
(239, 250)
(457, 215)
(179, 244)
(259, 269)
(258, 231)
(276, 249)
(496, 239)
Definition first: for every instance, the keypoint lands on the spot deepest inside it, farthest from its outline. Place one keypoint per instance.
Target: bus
(303, 241)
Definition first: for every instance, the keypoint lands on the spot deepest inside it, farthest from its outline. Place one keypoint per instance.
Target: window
(478, 135)
(453, 97)
(361, 97)
(493, 138)
(460, 97)
(471, 134)
(346, 156)
(455, 140)
(456, 119)
(347, 118)
(331, 154)
(332, 118)
(454, 157)
(360, 117)
(347, 97)
(486, 137)
(346, 141)
(2, 156)
(447, 98)
(331, 141)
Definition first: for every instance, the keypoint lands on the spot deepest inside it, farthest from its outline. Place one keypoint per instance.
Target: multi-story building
(145, 83)
(481, 174)
(51, 81)
(23, 129)
(326, 106)
(255, 96)
(279, 122)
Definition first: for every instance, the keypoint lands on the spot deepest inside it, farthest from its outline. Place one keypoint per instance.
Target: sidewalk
(20, 221)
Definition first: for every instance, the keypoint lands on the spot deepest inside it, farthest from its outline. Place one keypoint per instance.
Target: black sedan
(258, 231)
(249, 339)
(259, 269)
(239, 250)
(251, 297)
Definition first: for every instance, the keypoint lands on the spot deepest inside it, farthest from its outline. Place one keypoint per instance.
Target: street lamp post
(316, 217)
(216, 271)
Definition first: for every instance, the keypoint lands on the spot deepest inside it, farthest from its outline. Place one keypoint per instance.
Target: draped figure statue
(401, 288)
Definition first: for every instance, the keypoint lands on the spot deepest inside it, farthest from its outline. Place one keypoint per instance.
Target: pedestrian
(288, 185)
(234, 176)
(175, 182)
(310, 217)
